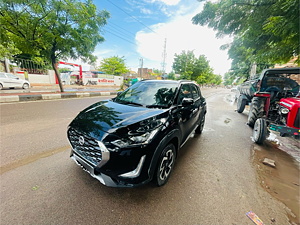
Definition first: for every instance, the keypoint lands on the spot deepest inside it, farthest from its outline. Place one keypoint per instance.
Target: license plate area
(85, 166)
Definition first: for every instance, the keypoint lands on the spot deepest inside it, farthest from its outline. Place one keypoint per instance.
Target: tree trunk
(57, 75)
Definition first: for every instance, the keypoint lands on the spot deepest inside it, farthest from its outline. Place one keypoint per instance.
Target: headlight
(150, 124)
(135, 140)
(142, 134)
(284, 110)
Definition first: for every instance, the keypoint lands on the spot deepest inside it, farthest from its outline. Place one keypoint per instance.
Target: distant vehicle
(135, 137)
(8, 80)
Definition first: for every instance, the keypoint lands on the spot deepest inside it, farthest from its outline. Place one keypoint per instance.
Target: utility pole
(253, 70)
(141, 67)
(6, 63)
(164, 56)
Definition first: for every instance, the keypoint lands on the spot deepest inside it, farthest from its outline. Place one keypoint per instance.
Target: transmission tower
(164, 57)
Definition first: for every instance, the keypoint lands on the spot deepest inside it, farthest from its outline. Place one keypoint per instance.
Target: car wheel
(25, 86)
(165, 165)
(256, 110)
(1, 86)
(260, 131)
(241, 103)
(199, 129)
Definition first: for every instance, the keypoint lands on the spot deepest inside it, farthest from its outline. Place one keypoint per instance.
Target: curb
(37, 97)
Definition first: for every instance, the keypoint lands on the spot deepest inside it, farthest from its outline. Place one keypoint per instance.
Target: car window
(195, 91)
(185, 92)
(10, 75)
(2, 75)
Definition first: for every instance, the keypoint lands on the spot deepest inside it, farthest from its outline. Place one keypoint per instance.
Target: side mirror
(187, 101)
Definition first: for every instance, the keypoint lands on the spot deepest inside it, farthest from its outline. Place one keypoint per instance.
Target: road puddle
(282, 182)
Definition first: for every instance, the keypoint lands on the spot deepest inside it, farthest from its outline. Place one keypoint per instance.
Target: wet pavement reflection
(281, 181)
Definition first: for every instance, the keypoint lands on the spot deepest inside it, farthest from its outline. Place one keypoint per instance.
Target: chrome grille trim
(90, 150)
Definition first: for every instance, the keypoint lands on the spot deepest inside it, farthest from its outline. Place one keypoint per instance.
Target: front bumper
(284, 130)
(105, 179)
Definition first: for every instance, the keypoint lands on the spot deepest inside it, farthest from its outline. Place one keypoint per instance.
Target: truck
(274, 101)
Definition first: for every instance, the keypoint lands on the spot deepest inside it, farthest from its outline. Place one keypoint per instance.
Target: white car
(8, 80)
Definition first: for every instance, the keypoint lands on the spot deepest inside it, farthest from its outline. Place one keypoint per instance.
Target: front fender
(174, 137)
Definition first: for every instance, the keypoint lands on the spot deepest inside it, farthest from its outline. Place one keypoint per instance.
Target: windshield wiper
(157, 106)
(129, 103)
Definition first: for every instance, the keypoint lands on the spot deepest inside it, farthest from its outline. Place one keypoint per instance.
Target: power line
(130, 15)
(111, 23)
(120, 37)
(117, 31)
(122, 33)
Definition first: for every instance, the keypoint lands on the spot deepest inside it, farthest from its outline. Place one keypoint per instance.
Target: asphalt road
(214, 180)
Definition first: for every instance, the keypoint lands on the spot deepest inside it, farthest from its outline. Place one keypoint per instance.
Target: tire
(165, 165)
(1, 86)
(256, 110)
(260, 130)
(199, 129)
(25, 86)
(241, 103)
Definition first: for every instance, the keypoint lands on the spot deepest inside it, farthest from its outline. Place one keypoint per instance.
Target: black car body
(133, 138)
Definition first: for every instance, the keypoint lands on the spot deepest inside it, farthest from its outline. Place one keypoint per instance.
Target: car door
(195, 106)
(4, 80)
(13, 80)
(185, 111)
(198, 106)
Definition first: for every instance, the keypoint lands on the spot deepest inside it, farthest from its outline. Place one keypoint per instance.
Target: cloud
(146, 11)
(168, 2)
(181, 34)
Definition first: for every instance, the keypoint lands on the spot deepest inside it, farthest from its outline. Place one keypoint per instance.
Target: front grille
(297, 119)
(89, 150)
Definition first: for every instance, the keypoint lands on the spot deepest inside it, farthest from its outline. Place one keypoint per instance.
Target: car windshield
(149, 94)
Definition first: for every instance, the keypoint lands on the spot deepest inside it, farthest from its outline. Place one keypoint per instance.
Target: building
(145, 73)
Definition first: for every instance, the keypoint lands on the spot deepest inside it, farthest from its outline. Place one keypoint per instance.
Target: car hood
(108, 116)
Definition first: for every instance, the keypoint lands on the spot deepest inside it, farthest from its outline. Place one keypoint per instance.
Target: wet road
(215, 179)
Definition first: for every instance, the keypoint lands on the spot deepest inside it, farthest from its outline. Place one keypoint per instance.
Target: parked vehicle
(135, 137)
(274, 102)
(8, 80)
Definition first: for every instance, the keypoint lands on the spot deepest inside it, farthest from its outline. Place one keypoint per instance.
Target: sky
(140, 30)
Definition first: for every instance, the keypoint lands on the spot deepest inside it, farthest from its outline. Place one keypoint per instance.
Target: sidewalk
(50, 92)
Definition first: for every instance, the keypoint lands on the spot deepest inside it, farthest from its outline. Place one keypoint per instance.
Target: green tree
(52, 29)
(184, 64)
(265, 32)
(192, 68)
(171, 76)
(202, 71)
(114, 65)
(215, 79)
(228, 78)
(8, 50)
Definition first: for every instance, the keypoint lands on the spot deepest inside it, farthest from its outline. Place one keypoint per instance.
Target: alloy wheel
(166, 164)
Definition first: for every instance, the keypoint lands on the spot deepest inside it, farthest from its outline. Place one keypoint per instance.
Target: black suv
(134, 138)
